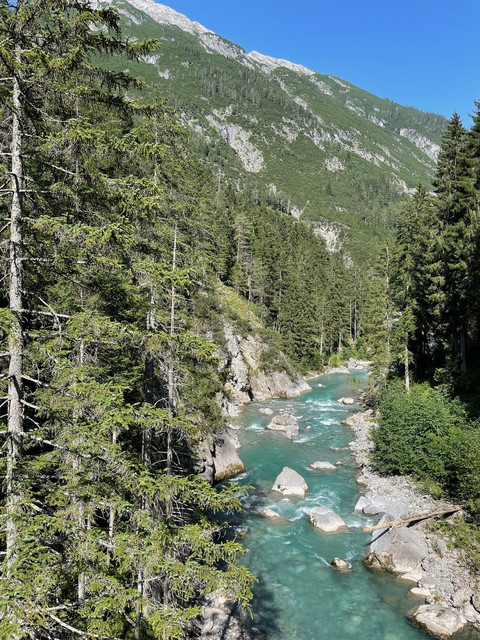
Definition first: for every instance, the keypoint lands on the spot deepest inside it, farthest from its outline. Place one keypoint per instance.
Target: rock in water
(341, 565)
(266, 412)
(397, 551)
(326, 520)
(226, 462)
(290, 483)
(287, 424)
(346, 400)
(270, 514)
(322, 466)
(438, 620)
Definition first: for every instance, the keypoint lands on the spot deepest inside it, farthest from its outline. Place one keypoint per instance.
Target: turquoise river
(299, 596)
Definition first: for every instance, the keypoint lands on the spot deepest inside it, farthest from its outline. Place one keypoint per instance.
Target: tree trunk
(16, 337)
(463, 349)
(407, 369)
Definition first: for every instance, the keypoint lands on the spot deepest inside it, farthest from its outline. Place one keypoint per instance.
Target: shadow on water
(265, 612)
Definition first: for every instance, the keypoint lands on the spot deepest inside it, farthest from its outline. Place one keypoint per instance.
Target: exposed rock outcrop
(221, 619)
(290, 483)
(226, 461)
(217, 457)
(247, 380)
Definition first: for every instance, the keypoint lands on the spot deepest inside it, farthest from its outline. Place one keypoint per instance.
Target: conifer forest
(123, 255)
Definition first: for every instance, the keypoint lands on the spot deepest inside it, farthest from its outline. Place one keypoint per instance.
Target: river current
(299, 596)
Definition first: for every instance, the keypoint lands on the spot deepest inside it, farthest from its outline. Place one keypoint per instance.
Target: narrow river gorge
(299, 595)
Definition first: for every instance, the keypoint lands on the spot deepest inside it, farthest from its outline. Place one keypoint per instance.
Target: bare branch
(39, 382)
(32, 406)
(78, 632)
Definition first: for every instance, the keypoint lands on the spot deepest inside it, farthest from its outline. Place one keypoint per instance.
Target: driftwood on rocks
(393, 524)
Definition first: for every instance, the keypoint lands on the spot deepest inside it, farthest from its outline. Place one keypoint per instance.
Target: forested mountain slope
(314, 145)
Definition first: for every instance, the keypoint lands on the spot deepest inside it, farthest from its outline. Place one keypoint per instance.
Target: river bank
(439, 576)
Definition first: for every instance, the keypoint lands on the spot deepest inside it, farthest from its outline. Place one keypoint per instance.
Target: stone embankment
(417, 554)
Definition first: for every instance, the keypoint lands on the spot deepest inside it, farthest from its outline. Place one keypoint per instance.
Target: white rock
(322, 466)
(412, 576)
(326, 520)
(290, 483)
(418, 591)
(361, 502)
(346, 400)
(266, 412)
(271, 514)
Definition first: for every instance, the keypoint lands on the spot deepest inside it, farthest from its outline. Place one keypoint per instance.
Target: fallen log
(398, 523)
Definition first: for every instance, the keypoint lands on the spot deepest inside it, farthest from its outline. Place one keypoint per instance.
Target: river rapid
(299, 595)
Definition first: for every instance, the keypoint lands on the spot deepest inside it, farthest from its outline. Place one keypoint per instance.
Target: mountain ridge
(314, 145)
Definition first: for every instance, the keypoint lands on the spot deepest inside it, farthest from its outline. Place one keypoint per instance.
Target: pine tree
(454, 201)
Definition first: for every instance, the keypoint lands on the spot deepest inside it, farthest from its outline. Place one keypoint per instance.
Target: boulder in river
(290, 483)
(398, 551)
(326, 520)
(341, 565)
(287, 424)
(266, 412)
(270, 514)
(438, 620)
(322, 466)
(346, 400)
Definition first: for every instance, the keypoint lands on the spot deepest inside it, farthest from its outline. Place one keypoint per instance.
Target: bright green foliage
(424, 434)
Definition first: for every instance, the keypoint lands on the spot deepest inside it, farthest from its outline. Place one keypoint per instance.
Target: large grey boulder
(326, 520)
(290, 483)
(288, 425)
(226, 462)
(438, 620)
(398, 551)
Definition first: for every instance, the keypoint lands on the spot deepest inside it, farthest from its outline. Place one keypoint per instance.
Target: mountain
(310, 144)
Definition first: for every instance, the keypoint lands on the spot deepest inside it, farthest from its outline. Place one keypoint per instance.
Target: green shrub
(429, 436)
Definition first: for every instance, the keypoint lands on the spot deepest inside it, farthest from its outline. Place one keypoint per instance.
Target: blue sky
(424, 53)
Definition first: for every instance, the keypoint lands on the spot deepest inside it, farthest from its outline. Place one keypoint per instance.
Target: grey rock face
(247, 381)
(397, 551)
(286, 424)
(226, 461)
(438, 620)
(290, 483)
(221, 620)
(326, 520)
